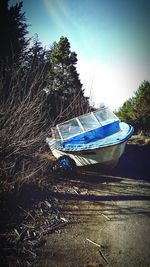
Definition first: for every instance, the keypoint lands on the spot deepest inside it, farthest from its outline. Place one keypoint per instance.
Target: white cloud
(111, 85)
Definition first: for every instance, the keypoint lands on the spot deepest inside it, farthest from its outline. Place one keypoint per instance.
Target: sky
(111, 39)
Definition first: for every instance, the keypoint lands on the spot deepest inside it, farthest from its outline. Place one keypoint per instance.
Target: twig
(76, 191)
(105, 216)
(54, 228)
(101, 253)
(28, 226)
(98, 245)
(27, 212)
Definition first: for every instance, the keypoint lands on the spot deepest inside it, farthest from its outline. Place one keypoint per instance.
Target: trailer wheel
(65, 166)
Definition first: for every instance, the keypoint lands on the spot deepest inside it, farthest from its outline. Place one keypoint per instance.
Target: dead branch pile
(22, 245)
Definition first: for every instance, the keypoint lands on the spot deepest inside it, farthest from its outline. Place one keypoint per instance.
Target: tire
(64, 166)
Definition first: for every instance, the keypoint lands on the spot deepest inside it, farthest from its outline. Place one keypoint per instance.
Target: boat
(97, 137)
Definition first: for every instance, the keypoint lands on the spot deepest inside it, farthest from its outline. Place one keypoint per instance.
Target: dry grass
(139, 139)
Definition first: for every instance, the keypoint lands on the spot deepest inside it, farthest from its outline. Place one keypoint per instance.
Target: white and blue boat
(98, 137)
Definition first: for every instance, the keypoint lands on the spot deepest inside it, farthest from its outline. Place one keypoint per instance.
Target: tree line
(53, 70)
(136, 110)
(38, 88)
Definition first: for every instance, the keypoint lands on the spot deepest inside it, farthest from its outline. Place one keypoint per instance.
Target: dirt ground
(107, 214)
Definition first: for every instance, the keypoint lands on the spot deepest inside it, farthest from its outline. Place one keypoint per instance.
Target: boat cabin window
(89, 122)
(70, 128)
(105, 116)
(85, 123)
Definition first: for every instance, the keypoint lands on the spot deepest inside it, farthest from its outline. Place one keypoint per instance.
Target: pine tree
(37, 66)
(142, 107)
(65, 88)
(13, 31)
(136, 110)
(63, 76)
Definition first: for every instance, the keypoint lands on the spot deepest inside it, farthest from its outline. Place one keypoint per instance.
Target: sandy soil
(107, 214)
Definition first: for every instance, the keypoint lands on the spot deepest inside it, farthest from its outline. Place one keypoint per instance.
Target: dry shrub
(25, 116)
(24, 127)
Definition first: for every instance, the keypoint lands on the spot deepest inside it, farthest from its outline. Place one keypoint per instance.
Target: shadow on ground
(128, 181)
(134, 163)
(110, 208)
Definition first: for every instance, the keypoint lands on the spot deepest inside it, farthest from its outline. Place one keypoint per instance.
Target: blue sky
(110, 37)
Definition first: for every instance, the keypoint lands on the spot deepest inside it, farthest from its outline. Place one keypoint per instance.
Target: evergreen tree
(36, 54)
(13, 31)
(63, 76)
(36, 66)
(142, 106)
(137, 109)
(126, 112)
(65, 88)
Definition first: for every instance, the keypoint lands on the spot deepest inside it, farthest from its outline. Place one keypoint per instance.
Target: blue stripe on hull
(107, 135)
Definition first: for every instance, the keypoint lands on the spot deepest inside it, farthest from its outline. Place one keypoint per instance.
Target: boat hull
(106, 157)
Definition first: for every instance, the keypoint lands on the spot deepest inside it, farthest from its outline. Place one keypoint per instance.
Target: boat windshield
(70, 128)
(89, 122)
(85, 123)
(105, 116)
